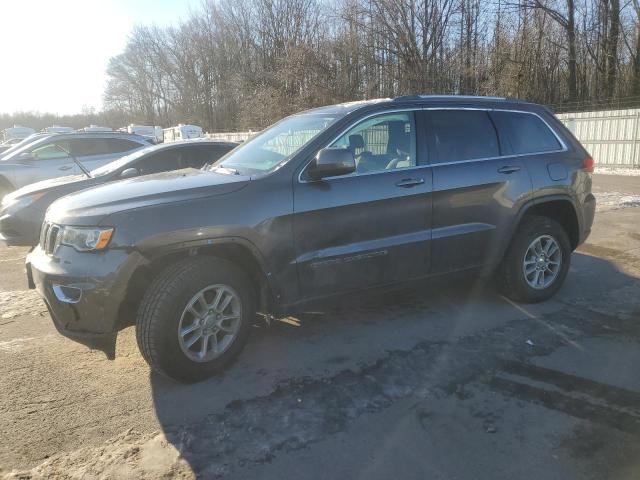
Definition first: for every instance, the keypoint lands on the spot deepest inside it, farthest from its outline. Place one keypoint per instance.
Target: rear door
(371, 227)
(476, 189)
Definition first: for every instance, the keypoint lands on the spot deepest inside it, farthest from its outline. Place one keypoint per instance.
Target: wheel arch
(560, 208)
(239, 251)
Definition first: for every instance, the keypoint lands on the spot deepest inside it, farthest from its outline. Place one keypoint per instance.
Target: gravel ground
(442, 380)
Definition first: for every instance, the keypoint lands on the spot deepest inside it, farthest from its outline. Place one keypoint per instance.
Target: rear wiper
(75, 160)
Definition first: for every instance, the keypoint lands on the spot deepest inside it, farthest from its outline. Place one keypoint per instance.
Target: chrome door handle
(410, 182)
(65, 167)
(509, 169)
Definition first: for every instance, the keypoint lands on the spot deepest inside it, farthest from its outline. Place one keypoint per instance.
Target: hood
(80, 181)
(88, 207)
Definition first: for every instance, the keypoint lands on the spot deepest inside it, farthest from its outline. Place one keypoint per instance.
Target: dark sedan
(22, 211)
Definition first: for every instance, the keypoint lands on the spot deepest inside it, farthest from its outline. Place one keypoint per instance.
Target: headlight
(86, 239)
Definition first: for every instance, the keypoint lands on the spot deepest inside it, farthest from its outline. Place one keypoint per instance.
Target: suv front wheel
(537, 261)
(195, 318)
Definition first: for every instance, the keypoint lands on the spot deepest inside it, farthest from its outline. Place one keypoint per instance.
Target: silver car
(55, 156)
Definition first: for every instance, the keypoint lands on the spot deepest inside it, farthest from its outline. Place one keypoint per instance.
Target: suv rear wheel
(537, 260)
(195, 318)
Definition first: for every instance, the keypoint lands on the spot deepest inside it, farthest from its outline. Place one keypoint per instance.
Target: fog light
(67, 294)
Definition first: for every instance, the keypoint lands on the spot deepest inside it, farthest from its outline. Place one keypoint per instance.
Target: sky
(54, 53)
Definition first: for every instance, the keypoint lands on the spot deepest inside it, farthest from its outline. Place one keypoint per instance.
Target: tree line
(235, 65)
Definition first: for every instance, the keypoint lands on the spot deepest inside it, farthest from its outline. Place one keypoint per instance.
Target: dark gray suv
(327, 201)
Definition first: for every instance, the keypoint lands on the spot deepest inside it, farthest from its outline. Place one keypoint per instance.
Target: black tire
(511, 275)
(161, 308)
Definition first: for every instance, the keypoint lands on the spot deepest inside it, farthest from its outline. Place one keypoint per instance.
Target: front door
(46, 161)
(371, 227)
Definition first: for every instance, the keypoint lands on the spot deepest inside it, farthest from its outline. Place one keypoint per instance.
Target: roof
(191, 141)
(344, 108)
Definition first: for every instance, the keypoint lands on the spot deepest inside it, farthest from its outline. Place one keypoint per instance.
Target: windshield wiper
(231, 170)
(75, 160)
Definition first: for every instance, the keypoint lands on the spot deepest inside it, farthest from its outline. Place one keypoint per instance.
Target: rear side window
(160, 162)
(461, 135)
(118, 145)
(525, 133)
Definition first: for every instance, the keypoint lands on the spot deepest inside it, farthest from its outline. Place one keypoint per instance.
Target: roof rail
(451, 97)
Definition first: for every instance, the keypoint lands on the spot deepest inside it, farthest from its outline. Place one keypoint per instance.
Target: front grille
(49, 237)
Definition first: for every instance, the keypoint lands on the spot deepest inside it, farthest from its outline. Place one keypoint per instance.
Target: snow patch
(131, 455)
(15, 303)
(615, 200)
(631, 172)
(14, 345)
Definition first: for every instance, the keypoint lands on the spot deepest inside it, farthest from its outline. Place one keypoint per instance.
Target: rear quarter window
(525, 133)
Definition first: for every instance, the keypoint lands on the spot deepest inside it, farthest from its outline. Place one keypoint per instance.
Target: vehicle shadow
(349, 333)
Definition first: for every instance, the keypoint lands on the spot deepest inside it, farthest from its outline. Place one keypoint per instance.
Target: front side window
(51, 151)
(384, 142)
(276, 145)
(525, 132)
(462, 135)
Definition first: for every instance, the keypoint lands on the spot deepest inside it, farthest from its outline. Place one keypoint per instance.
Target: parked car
(16, 132)
(325, 202)
(22, 211)
(6, 145)
(52, 155)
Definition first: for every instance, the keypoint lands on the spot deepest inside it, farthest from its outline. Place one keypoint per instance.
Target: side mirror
(331, 162)
(129, 173)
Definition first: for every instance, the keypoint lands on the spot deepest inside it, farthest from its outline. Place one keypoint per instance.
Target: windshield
(121, 162)
(274, 146)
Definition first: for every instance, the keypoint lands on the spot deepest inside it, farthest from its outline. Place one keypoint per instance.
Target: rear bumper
(588, 214)
(83, 292)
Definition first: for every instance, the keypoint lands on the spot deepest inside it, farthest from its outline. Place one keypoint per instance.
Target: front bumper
(84, 291)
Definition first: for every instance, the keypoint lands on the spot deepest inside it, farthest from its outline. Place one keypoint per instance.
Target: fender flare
(194, 245)
(542, 200)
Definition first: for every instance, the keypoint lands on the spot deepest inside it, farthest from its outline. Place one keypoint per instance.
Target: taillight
(588, 164)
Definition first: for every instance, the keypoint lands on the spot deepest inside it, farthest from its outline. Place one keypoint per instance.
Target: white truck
(182, 132)
(96, 128)
(147, 131)
(58, 129)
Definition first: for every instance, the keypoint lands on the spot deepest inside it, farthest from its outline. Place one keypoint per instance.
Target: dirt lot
(445, 380)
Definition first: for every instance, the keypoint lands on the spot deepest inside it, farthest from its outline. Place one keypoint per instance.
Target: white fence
(232, 136)
(612, 137)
